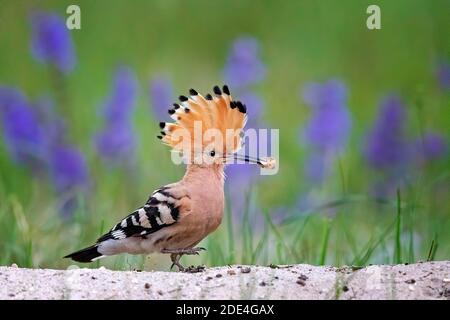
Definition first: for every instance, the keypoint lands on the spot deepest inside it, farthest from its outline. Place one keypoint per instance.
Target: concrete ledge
(430, 280)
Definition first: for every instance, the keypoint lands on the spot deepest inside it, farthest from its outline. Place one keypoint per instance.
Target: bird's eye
(212, 153)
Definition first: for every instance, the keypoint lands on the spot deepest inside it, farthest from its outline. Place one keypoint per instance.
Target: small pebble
(160, 292)
(208, 278)
(262, 284)
(303, 277)
(410, 281)
(231, 272)
(14, 265)
(147, 286)
(345, 288)
(446, 293)
(301, 282)
(218, 275)
(246, 270)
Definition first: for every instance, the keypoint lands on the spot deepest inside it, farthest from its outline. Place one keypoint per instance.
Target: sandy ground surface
(429, 280)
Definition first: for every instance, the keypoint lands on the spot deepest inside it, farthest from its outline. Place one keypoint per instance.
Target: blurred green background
(286, 218)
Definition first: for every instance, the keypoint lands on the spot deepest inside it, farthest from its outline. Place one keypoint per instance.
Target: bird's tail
(88, 254)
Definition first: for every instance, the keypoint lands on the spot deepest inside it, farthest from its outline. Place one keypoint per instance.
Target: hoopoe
(176, 217)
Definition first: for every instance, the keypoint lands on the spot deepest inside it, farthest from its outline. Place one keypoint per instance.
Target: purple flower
(330, 122)
(161, 96)
(68, 168)
(255, 106)
(35, 136)
(22, 131)
(431, 147)
(54, 126)
(243, 69)
(66, 165)
(118, 106)
(315, 168)
(69, 175)
(244, 66)
(443, 75)
(328, 129)
(51, 41)
(116, 141)
(387, 146)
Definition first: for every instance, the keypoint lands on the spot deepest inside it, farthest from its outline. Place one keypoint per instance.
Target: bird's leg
(183, 251)
(175, 257)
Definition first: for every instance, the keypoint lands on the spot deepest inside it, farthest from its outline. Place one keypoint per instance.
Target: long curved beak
(268, 163)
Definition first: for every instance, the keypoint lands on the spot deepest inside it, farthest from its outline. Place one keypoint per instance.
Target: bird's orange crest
(205, 123)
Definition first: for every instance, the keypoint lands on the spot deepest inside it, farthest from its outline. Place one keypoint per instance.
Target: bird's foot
(190, 251)
(180, 267)
(175, 255)
(194, 269)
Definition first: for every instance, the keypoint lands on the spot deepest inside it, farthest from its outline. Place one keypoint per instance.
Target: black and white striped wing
(161, 210)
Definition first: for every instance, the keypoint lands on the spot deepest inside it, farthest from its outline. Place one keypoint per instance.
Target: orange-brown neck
(204, 174)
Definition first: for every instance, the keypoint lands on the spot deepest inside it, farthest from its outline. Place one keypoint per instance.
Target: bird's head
(207, 130)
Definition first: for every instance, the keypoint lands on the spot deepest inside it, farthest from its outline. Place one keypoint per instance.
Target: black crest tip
(242, 107)
(217, 90)
(232, 104)
(162, 125)
(183, 98)
(208, 97)
(159, 137)
(171, 111)
(176, 106)
(192, 92)
(226, 89)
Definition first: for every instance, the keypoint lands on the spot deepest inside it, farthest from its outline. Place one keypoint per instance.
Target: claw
(175, 255)
(176, 263)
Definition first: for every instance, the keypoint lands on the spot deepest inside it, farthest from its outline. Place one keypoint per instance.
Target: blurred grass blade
(298, 237)
(326, 237)
(230, 233)
(398, 243)
(278, 236)
(433, 249)
(101, 231)
(261, 245)
(362, 258)
(246, 231)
